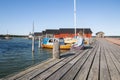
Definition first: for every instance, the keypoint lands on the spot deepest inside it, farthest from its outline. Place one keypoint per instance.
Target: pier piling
(56, 50)
(33, 44)
(33, 39)
(39, 43)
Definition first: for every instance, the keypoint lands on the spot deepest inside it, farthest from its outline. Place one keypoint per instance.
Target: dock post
(39, 43)
(56, 50)
(33, 43)
(33, 39)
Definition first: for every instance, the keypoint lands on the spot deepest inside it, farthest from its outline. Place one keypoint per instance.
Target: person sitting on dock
(80, 42)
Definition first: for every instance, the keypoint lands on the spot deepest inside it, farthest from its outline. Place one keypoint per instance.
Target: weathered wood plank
(112, 68)
(70, 75)
(115, 55)
(59, 73)
(82, 74)
(116, 52)
(39, 70)
(50, 71)
(104, 73)
(114, 59)
(94, 71)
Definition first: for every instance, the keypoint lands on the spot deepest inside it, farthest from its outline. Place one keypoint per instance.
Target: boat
(48, 43)
(30, 36)
(70, 40)
(7, 38)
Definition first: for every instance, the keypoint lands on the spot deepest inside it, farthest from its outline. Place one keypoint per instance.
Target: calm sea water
(16, 55)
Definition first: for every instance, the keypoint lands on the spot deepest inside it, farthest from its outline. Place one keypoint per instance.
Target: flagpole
(75, 16)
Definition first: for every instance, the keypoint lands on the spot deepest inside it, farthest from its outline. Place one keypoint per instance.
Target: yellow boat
(48, 43)
(62, 47)
(70, 40)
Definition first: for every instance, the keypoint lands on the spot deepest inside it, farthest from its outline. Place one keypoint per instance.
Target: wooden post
(33, 39)
(56, 50)
(33, 43)
(39, 43)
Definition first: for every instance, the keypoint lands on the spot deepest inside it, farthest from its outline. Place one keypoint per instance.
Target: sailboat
(64, 43)
(79, 44)
(7, 36)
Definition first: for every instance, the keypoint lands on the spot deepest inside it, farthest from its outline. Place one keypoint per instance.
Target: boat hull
(62, 47)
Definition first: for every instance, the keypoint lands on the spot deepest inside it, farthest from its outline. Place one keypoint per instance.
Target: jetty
(101, 61)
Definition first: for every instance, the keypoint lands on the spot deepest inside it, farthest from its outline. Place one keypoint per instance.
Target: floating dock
(99, 62)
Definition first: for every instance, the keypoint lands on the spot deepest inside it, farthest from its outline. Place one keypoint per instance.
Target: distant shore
(109, 36)
(14, 36)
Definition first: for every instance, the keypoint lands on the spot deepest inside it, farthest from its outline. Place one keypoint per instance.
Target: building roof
(72, 30)
(52, 31)
(37, 33)
(67, 30)
(100, 33)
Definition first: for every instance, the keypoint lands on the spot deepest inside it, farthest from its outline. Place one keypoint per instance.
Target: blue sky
(17, 16)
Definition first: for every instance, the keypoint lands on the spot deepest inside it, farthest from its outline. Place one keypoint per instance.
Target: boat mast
(75, 16)
(33, 28)
(33, 40)
(7, 34)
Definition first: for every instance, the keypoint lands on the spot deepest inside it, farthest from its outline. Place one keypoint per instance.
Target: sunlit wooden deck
(100, 62)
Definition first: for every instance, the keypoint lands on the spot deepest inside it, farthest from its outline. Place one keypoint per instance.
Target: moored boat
(48, 43)
(70, 40)
(7, 38)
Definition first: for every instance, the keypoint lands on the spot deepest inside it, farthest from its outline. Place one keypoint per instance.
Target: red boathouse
(69, 32)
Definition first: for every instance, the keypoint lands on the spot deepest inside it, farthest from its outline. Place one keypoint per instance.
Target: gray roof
(67, 30)
(100, 33)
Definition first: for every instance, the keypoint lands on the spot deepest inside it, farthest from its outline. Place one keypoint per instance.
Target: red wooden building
(67, 32)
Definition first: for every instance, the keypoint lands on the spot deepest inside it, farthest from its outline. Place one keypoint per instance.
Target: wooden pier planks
(71, 74)
(67, 62)
(115, 58)
(101, 62)
(94, 70)
(114, 74)
(104, 72)
(62, 71)
(84, 71)
(38, 70)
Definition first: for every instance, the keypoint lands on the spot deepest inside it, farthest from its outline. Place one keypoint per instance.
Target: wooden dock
(100, 62)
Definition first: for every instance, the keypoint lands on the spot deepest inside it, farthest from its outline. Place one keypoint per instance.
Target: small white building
(100, 34)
